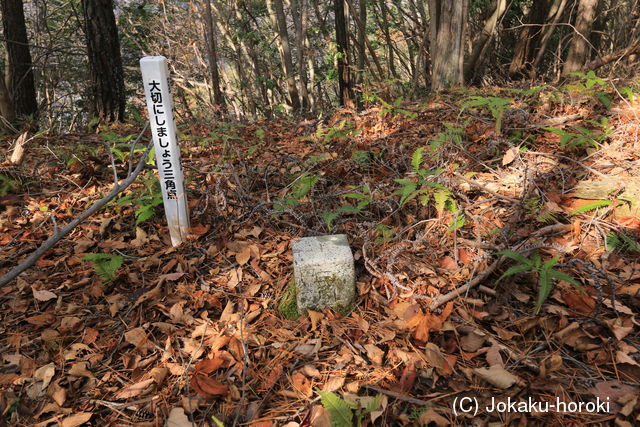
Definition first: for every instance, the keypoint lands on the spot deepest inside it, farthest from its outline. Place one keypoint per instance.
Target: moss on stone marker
(288, 303)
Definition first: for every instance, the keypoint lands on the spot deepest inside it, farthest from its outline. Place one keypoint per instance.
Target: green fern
(105, 265)
(544, 270)
(622, 242)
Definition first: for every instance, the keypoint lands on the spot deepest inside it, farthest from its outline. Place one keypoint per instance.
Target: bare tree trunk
(298, 22)
(557, 15)
(529, 37)
(105, 62)
(481, 45)
(6, 107)
(276, 9)
(448, 21)
(218, 97)
(342, 46)
(20, 84)
(579, 49)
(362, 51)
(387, 36)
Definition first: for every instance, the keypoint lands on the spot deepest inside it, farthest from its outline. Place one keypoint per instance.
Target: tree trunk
(481, 45)
(276, 8)
(387, 36)
(342, 46)
(448, 21)
(218, 97)
(105, 62)
(6, 107)
(20, 83)
(578, 54)
(362, 49)
(559, 11)
(529, 37)
(297, 11)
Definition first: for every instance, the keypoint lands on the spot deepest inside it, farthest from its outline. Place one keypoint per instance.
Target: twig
(578, 162)
(443, 299)
(485, 189)
(46, 246)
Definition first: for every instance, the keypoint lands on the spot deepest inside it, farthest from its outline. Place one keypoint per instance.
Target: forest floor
(427, 194)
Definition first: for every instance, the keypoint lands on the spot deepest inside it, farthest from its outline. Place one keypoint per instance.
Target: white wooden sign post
(155, 77)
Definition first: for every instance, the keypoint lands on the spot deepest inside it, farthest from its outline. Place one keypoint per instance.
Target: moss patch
(288, 304)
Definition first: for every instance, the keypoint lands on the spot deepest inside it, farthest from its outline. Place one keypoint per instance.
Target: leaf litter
(193, 334)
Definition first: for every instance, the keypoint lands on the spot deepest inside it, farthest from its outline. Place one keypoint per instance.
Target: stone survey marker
(324, 273)
(155, 77)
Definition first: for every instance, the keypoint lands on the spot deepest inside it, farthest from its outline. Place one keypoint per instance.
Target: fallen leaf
(44, 319)
(43, 295)
(208, 387)
(431, 416)
(45, 374)
(137, 389)
(435, 357)
(509, 156)
(335, 382)
(177, 418)
(408, 378)
(302, 384)
(243, 256)
(374, 354)
(447, 263)
(76, 419)
(497, 376)
(310, 371)
(207, 366)
(473, 341)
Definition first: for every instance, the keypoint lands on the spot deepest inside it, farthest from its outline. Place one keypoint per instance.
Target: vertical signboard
(155, 77)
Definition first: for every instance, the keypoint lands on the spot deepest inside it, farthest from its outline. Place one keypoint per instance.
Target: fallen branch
(443, 299)
(59, 234)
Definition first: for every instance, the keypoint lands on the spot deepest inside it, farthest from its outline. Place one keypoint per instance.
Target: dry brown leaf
(374, 354)
(273, 377)
(315, 317)
(140, 388)
(207, 387)
(497, 376)
(448, 263)
(43, 295)
(76, 420)
(509, 156)
(138, 338)
(493, 355)
(244, 255)
(320, 417)
(302, 384)
(177, 418)
(310, 371)
(435, 357)
(473, 341)
(207, 366)
(432, 416)
(408, 378)
(334, 383)
(44, 319)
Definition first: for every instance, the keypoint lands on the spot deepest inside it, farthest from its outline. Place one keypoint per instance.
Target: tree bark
(529, 37)
(105, 62)
(342, 46)
(387, 36)
(547, 36)
(578, 55)
(297, 11)
(20, 82)
(362, 49)
(480, 47)
(448, 21)
(276, 8)
(218, 97)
